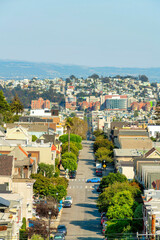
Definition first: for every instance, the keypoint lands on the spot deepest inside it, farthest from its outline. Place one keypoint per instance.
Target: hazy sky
(123, 33)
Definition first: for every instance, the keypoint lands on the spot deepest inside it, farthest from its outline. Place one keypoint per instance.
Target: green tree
(103, 154)
(34, 138)
(5, 110)
(69, 164)
(121, 206)
(124, 197)
(117, 227)
(16, 105)
(46, 187)
(46, 170)
(4, 106)
(36, 237)
(98, 133)
(137, 224)
(73, 138)
(69, 124)
(111, 178)
(69, 155)
(78, 145)
(103, 143)
(119, 212)
(105, 198)
(73, 148)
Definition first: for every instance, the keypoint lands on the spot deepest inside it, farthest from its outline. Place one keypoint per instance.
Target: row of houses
(19, 158)
(137, 157)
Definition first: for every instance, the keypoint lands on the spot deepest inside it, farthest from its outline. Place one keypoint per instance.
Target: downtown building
(116, 102)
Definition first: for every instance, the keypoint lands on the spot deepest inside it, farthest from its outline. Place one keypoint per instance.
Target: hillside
(21, 69)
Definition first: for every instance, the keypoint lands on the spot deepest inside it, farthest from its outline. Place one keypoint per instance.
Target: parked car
(72, 174)
(93, 180)
(99, 172)
(69, 198)
(67, 204)
(62, 229)
(59, 236)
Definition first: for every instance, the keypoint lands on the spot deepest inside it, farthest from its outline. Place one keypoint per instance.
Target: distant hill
(21, 69)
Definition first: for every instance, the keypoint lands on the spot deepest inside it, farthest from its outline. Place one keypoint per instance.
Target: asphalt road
(83, 219)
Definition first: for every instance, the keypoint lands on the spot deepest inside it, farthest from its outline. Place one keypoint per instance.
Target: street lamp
(49, 213)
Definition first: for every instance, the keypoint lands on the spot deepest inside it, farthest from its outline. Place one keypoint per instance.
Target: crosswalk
(78, 180)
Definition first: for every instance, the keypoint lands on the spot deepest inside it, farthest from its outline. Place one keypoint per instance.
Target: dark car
(99, 172)
(67, 204)
(72, 174)
(59, 236)
(62, 229)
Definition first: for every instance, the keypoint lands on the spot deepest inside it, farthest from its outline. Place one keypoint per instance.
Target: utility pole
(153, 227)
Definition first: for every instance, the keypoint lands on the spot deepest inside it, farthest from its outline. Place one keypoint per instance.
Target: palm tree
(69, 124)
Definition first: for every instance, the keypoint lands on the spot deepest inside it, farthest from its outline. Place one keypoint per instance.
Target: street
(83, 219)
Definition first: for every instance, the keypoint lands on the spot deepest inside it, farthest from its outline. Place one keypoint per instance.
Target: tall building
(40, 104)
(116, 102)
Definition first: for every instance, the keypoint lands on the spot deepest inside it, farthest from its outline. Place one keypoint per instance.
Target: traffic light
(104, 164)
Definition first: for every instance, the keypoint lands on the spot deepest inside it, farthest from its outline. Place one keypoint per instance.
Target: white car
(69, 198)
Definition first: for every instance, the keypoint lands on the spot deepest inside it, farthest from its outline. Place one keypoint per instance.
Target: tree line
(121, 201)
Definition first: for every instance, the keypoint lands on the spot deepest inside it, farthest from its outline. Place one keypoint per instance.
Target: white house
(153, 130)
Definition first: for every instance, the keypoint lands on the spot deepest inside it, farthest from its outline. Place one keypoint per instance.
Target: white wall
(153, 129)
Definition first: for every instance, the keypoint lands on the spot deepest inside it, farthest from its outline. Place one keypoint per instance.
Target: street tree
(104, 154)
(98, 133)
(69, 164)
(118, 227)
(47, 170)
(124, 197)
(73, 148)
(73, 138)
(69, 155)
(119, 212)
(103, 143)
(105, 198)
(112, 178)
(53, 187)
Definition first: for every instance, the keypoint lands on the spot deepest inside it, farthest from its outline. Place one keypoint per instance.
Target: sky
(119, 33)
